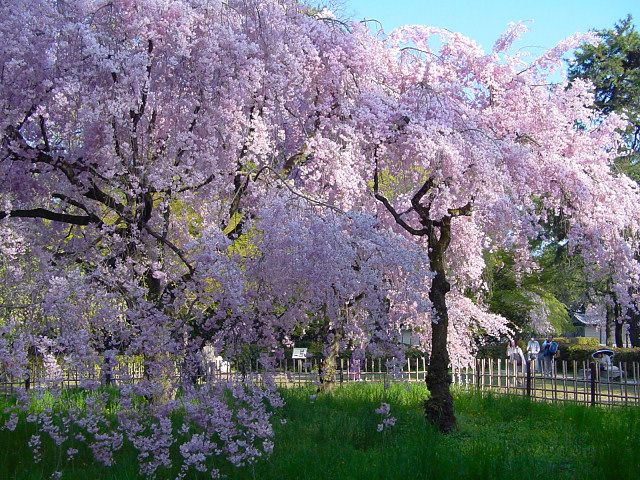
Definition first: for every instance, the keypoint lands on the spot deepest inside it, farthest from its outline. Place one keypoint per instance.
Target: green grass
(335, 437)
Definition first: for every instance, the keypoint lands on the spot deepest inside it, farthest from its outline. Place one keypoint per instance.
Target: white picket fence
(579, 382)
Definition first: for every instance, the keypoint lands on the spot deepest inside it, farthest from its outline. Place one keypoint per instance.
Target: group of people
(542, 355)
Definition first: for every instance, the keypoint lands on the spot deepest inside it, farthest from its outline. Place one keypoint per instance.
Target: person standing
(548, 351)
(533, 349)
(516, 357)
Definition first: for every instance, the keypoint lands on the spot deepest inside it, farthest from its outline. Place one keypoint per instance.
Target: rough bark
(608, 325)
(439, 406)
(634, 328)
(328, 365)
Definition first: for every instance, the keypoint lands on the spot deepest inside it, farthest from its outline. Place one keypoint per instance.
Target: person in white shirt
(533, 349)
(514, 352)
(604, 361)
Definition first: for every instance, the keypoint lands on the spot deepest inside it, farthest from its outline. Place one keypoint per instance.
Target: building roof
(580, 320)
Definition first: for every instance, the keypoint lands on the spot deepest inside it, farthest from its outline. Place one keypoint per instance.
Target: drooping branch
(298, 194)
(136, 116)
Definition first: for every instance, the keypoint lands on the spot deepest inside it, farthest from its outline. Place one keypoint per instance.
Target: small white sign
(299, 353)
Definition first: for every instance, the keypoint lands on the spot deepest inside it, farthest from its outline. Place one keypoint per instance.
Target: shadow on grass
(335, 436)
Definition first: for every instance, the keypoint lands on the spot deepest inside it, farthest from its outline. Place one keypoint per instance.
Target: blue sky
(484, 21)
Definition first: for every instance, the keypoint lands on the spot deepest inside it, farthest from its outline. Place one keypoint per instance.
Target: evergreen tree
(613, 66)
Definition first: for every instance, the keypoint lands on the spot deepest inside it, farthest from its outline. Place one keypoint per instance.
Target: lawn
(336, 437)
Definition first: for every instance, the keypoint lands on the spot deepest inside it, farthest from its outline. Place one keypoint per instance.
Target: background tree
(613, 67)
(191, 172)
(475, 143)
(531, 301)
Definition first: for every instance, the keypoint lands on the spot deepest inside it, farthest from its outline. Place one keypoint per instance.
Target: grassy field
(336, 437)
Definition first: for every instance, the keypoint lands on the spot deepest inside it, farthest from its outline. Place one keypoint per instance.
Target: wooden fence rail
(579, 382)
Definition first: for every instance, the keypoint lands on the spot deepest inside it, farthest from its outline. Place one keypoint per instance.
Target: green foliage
(582, 353)
(562, 272)
(558, 316)
(335, 436)
(506, 296)
(518, 298)
(584, 341)
(492, 351)
(614, 68)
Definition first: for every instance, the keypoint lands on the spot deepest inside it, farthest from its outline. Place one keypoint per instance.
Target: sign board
(299, 353)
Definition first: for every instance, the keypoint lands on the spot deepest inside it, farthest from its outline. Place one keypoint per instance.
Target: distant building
(593, 327)
(407, 337)
(587, 326)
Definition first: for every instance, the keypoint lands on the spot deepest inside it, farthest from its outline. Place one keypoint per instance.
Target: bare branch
(397, 217)
(49, 215)
(171, 245)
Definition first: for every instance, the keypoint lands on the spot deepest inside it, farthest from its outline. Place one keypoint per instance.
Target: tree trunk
(608, 324)
(328, 365)
(619, 325)
(439, 406)
(634, 328)
(619, 335)
(161, 371)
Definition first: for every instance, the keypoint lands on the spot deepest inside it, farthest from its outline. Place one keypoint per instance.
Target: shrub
(492, 351)
(570, 348)
(585, 341)
(582, 353)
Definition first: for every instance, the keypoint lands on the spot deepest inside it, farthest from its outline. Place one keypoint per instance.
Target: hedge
(581, 353)
(570, 348)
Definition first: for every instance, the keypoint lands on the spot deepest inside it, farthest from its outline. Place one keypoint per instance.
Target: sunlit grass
(336, 436)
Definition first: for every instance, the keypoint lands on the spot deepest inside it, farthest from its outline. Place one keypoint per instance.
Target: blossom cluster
(385, 413)
(181, 177)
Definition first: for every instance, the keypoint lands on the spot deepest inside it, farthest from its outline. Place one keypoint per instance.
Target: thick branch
(462, 211)
(397, 217)
(94, 218)
(194, 188)
(49, 215)
(170, 244)
(35, 155)
(417, 198)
